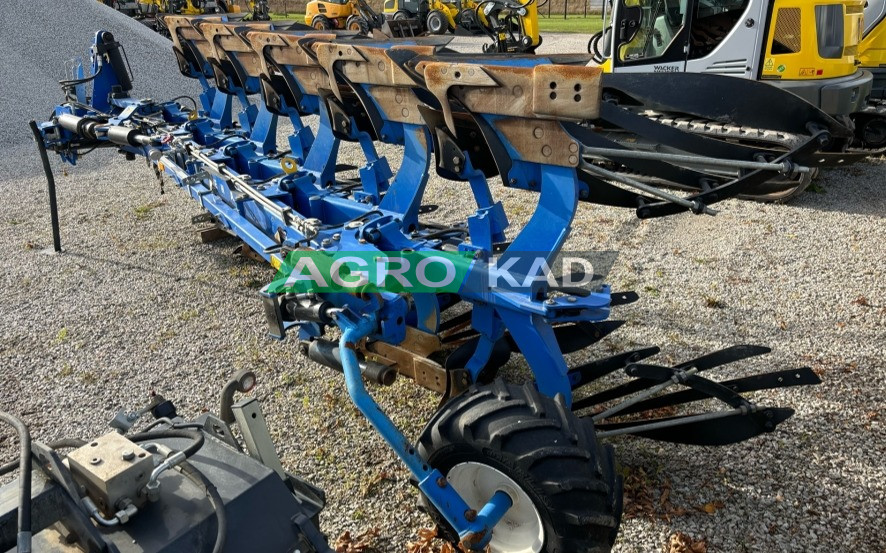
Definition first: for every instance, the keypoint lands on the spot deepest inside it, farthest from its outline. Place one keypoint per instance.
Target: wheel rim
(523, 529)
(435, 24)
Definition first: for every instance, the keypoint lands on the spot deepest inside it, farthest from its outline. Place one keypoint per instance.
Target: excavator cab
(810, 48)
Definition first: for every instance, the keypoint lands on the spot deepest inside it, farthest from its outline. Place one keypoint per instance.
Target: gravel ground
(137, 303)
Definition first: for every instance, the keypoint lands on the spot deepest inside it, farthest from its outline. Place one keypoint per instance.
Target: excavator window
(829, 28)
(661, 22)
(714, 20)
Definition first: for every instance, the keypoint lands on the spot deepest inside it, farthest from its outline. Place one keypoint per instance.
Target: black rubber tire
(467, 19)
(321, 23)
(357, 23)
(436, 22)
(400, 15)
(540, 444)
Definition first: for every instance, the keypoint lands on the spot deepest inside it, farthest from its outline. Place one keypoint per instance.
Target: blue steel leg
(544, 233)
(431, 482)
(375, 174)
(221, 111)
(248, 114)
(321, 157)
(495, 220)
(406, 191)
(264, 131)
(301, 138)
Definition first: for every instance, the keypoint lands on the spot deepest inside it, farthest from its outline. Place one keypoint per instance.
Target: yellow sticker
(276, 262)
(769, 65)
(289, 166)
(807, 71)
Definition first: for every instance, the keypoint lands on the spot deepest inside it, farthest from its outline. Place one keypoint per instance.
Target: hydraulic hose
(60, 444)
(221, 518)
(196, 438)
(50, 187)
(24, 478)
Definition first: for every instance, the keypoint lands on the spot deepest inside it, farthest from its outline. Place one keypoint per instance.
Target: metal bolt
(95, 461)
(470, 515)
(441, 482)
(326, 242)
(336, 236)
(571, 299)
(127, 455)
(551, 302)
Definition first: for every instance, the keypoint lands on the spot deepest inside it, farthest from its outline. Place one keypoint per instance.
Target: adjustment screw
(127, 455)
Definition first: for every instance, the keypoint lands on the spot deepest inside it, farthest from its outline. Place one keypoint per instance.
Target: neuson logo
(438, 272)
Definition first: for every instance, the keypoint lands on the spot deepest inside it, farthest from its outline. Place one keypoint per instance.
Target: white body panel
(874, 12)
(739, 53)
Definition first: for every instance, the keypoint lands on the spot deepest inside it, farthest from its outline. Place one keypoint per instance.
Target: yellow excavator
(436, 16)
(808, 48)
(358, 16)
(512, 26)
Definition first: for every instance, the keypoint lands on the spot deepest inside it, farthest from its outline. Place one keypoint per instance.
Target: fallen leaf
(680, 542)
(362, 543)
(712, 507)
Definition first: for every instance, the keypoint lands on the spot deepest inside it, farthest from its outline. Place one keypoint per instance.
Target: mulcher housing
(543, 124)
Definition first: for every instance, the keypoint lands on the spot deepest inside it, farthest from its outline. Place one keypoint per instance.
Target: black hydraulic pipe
(58, 444)
(196, 438)
(24, 481)
(327, 353)
(50, 187)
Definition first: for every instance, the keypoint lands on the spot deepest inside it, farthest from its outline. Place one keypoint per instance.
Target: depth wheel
(566, 494)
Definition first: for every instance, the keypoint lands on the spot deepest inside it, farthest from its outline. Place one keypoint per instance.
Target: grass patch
(572, 24)
(144, 211)
(291, 16)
